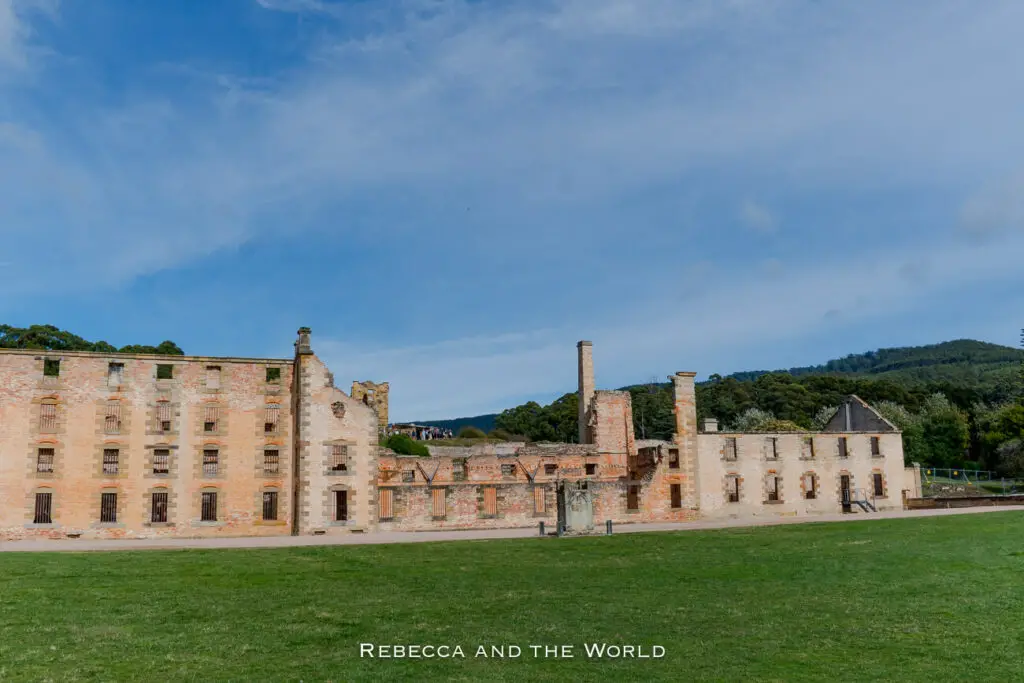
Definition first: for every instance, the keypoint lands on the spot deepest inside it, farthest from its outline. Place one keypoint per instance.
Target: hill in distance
(967, 363)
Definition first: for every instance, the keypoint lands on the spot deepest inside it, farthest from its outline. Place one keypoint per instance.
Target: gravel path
(36, 545)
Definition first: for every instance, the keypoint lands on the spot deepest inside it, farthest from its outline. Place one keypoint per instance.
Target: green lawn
(930, 599)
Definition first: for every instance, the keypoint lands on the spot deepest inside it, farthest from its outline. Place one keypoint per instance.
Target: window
(44, 460)
(879, 484)
(508, 470)
(273, 374)
(809, 447)
(271, 461)
(438, 503)
(111, 456)
(538, 500)
(51, 367)
(210, 418)
(772, 448)
(490, 501)
(730, 448)
(163, 416)
(108, 508)
(550, 469)
(408, 475)
(213, 377)
(161, 461)
(810, 484)
(673, 458)
(158, 515)
(876, 448)
(842, 447)
(164, 371)
(210, 458)
(271, 419)
(590, 469)
(44, 509)
(270, 506)
(385, 505)
(112, 418)
(459, 469)
(341, 506)
(732, 486)
(676, 491)
(48, 417)
(208, 513)
(773, 488)
(115, 374)
(633, 497)
(339, 458)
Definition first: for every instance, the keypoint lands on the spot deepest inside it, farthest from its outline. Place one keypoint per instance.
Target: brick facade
(196, 446)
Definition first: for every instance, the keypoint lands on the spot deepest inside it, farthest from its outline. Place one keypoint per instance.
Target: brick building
(123, 445)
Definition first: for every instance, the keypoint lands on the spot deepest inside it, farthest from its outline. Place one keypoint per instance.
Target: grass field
(911, 599)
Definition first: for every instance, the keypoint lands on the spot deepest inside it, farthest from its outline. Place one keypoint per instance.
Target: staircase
(860, 499)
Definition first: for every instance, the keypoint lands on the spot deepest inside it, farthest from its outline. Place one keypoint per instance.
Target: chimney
(586, 388)
(684, 396)
(302, 346)
(710, 424)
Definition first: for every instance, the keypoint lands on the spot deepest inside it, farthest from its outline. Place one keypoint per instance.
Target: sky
(452, 193)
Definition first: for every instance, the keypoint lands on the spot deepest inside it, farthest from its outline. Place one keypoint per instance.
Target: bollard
(542, 528)
(608, 527)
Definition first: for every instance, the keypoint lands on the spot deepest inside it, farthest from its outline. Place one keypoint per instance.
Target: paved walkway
(428, 536)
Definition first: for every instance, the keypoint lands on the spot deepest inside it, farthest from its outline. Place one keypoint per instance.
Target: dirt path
(428, 536)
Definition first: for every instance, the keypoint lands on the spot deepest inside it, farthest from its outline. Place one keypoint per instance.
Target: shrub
(500, 435)
(471, 432)
(406, 445)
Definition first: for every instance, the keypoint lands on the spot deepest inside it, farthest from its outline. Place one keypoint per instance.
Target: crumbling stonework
(123, 445)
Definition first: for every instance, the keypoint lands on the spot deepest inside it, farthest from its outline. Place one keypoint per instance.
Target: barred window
(272, 417)
(112, 419)
(111, 456)
(508, 470)
(44, 460)
(208, 513)
(270, 506)
(108, 508)
(48, 417)
(161, 461)
(459, 469)
(158, 514)
(44, 509)
(210, 462)
(211, 415)
(550, 469)
(271, 461)
(339, 458)
(409, 475)
(163, 416)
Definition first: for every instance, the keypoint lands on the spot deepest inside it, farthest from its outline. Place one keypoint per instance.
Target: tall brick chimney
(586, 388)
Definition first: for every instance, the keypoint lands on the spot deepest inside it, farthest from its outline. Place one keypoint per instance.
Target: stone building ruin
(125, 445)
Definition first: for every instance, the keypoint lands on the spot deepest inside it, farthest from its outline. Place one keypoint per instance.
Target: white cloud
(757, 217)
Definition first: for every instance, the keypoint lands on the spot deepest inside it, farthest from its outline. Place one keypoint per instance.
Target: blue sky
(451, 194)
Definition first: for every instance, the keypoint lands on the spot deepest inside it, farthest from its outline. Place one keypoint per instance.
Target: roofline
(145, 356)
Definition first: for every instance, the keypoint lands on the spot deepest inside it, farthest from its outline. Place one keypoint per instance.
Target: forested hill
(954, 361)
(51, 338)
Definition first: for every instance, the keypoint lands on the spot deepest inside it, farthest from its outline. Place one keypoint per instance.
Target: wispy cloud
(757, 217)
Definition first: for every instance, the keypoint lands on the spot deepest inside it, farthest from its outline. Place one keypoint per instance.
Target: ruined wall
(755, 462)
(337, 453)
(97, 410)
(585, 389)
(611, 418)
(854, 415)
(376, 396)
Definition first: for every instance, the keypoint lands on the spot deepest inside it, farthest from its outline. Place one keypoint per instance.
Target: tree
(823, 417)
(751, 420)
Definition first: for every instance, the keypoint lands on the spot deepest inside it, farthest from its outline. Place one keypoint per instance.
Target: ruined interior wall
(753, 465)
(328, 417)
(82, 392)
(856, 416)
(612, 422)
(379, 402)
